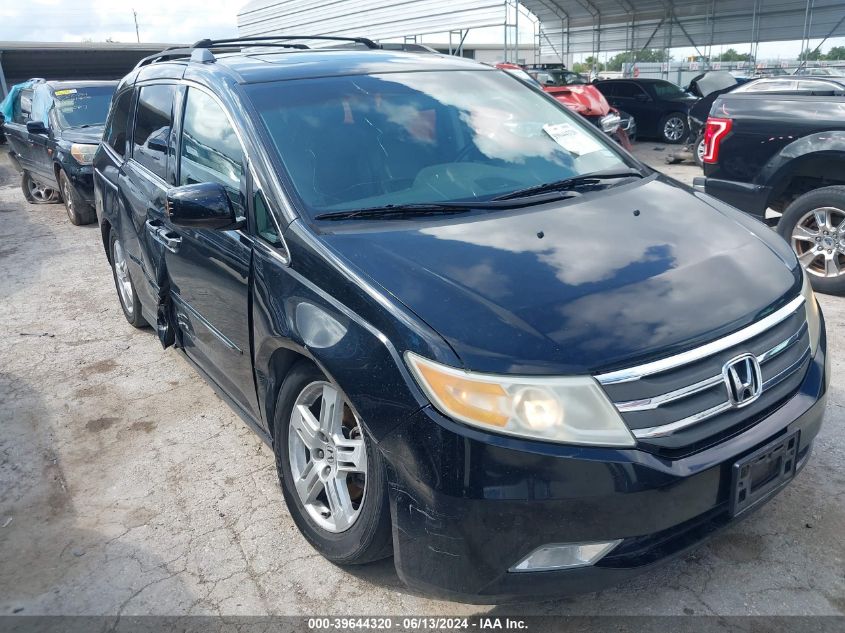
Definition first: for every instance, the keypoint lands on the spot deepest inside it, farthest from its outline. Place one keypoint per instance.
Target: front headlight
(569, 410)
(83, 154)
(814, 322)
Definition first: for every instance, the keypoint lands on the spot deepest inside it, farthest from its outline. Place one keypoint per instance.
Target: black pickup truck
(785, 153)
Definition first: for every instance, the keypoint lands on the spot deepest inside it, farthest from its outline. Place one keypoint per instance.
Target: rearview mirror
(201, 206)
(36, 127)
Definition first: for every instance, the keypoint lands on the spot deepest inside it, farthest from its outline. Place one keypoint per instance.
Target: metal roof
(586, 26)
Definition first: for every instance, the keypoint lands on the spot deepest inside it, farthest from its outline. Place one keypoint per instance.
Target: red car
(575, 93)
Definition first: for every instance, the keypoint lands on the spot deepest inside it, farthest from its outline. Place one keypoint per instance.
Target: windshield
(363, 141)
(521, 74)
(75, 107)
(667, 90)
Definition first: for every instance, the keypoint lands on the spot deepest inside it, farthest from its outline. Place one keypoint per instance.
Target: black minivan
(478, 335)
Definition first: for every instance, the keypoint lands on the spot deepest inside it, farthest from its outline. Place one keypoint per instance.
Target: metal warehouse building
(561, 27)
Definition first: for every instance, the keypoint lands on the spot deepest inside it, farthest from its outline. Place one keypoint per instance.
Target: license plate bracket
(759, 475)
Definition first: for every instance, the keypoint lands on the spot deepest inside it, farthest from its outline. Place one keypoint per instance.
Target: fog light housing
(564, 556)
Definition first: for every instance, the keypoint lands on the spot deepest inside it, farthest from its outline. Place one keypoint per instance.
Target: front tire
(814, 225)
(35, 192)
(79, 212)
(129, 301)
(674, 128)
(332, 476)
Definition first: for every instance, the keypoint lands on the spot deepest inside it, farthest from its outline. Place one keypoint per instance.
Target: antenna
(137, 33)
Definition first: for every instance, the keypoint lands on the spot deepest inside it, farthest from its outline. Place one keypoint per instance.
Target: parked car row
(53, 130)
(457, 311)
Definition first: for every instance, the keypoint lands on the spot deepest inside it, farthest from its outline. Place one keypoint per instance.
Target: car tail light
(714, 132)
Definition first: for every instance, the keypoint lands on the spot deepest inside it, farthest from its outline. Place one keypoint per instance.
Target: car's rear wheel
(698, 151)
(673, 128)
(332, 475)
(78, 211)
(814, 224)
(129, 301)
(37, 192)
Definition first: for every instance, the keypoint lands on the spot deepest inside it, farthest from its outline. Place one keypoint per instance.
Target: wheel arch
(808, 163)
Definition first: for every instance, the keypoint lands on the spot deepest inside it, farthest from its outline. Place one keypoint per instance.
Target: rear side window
(115, 135)
(211, 151)
(153, 120)
(627, 90)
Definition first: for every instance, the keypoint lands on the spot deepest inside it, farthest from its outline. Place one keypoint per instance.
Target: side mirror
(201, 206)
(36, 127)
(550, 82)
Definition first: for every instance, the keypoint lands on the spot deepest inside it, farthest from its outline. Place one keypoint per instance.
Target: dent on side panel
(292, 314)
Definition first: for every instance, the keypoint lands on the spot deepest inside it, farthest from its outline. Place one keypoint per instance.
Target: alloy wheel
(67, 195)
(699, 149)
(328, 457)
(673, 129)
(39, 192)
(819, 241)
(124, 285)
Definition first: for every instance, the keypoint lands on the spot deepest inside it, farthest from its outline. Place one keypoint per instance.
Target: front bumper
(82, 179)
(467, 505)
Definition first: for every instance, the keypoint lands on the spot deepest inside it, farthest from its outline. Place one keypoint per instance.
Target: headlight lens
(83, 154)
(569, 410)
(814, 323)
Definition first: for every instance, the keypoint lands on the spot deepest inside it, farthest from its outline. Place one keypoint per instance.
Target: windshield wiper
(445, 208)
(397, 210)
(567, 184)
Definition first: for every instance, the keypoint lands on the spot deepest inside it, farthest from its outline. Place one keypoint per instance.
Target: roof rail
(201, 51)
(267, 39)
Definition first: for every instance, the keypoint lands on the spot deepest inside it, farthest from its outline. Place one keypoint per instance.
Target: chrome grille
(667, 402)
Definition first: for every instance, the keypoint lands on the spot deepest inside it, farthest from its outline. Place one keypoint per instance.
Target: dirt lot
(128, 487)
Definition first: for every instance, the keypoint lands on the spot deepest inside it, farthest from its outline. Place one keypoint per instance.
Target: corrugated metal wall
(376, 19)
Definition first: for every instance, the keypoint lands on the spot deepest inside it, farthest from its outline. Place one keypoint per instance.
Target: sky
(186, 21)
(169, 21)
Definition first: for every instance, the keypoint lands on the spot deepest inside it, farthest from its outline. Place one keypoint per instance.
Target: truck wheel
(332, 475)
(35, 192)
(814, 224)
(78, 211)
(129, 300)
(673, 128)
(698, 151)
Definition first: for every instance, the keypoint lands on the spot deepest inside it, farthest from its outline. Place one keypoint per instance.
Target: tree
(732, 55)
(811, 56)
(835, 53)
(616, 62)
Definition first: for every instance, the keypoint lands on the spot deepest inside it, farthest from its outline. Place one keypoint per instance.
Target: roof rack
(251, 41)
(201, 51)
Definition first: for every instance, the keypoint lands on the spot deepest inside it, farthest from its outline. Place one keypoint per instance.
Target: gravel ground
(128, 487)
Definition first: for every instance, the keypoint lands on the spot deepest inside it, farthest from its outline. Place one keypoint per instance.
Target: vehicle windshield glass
(362, 141)
(564, 78)
(667, 90)
(76, 107)
(521, 74)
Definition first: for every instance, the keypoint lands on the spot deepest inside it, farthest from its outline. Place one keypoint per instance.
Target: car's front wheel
(332, 475)
(673, 128)
(37, 192)
(78, 211)
(129, 301)
(814, 224)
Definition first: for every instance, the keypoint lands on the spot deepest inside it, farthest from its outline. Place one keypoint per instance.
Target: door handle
(164, 236)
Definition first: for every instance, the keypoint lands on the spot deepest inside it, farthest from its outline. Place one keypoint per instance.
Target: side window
(23, 107)
(265, 227)
(817, 87)
(628, 90)
(211, 151)
(607, 89)
(116, 128)
(153, 120)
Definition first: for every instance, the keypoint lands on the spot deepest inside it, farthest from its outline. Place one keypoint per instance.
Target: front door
(209, 270)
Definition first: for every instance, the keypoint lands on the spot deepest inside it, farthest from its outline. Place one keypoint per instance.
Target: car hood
(88, 135)
(580, 286)
(585, 100)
